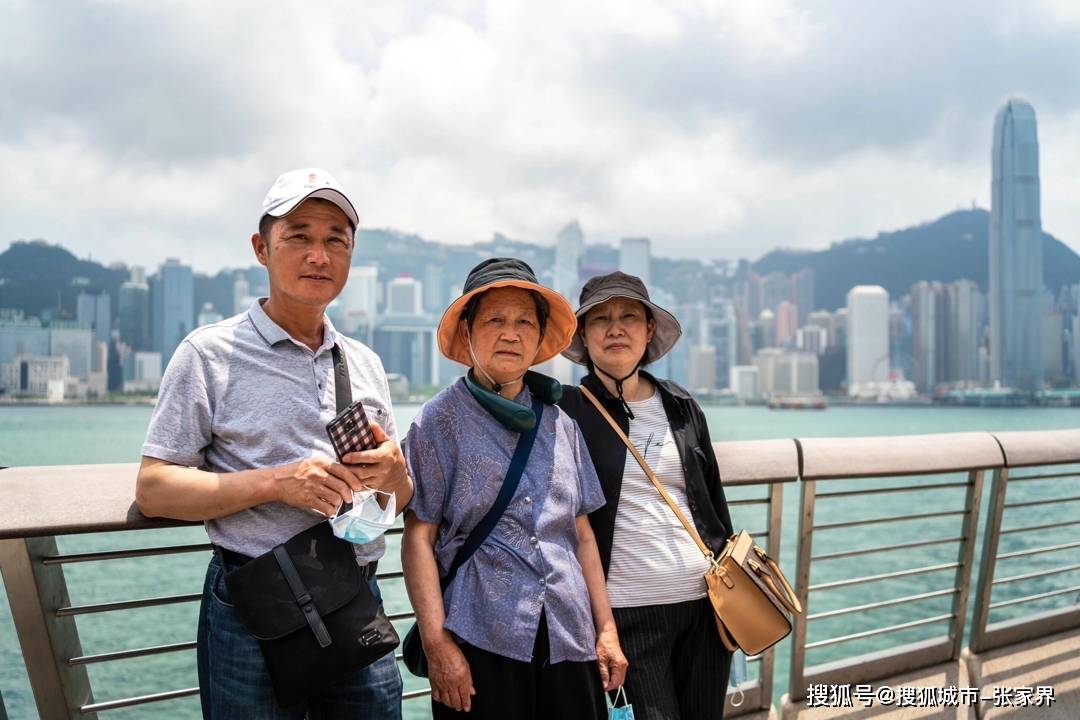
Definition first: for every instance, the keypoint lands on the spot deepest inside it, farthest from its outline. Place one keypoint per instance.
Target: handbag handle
(788, 596)
(652, 476)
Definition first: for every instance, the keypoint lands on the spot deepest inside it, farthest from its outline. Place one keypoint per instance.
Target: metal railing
(46, 619)
(1042, 463)
(933, 457)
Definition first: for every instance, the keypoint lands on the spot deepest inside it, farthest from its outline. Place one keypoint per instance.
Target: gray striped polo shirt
(242, 394)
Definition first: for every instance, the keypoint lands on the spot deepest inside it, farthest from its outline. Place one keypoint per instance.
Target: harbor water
(33, 435)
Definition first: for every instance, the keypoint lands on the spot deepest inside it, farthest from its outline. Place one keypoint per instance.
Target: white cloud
(717, 127)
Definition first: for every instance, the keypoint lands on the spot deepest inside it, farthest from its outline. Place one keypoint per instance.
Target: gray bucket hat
(600, 289)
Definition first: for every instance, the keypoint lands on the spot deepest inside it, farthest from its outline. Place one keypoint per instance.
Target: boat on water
(798, 402)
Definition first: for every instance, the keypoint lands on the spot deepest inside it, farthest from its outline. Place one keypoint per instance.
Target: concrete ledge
(1053, 660)
(952, 673)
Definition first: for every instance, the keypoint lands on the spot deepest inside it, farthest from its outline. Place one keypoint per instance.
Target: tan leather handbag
(751, 598)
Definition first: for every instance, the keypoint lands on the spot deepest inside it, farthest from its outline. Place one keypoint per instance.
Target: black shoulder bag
(309, 605)
(412, 648)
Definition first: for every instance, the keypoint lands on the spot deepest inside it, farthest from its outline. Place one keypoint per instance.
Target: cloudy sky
(134, 131)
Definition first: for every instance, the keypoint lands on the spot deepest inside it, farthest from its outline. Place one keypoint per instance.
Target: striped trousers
(678, 666)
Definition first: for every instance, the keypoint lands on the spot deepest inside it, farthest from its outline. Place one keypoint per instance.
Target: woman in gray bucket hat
(655, 572)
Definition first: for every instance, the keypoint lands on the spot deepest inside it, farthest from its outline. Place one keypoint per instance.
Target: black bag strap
(303, 598)
(342, 385)
(506, 493)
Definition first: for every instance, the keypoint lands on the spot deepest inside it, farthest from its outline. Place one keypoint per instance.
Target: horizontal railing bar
(885, 576)
(124, 554)
(1048, 476)
(413, 694)
(885, 548)
(759, 501)
(1039, 573)
(1037, 551)
(126, 604)
(125, 654)
(881, 604)
(1048, 526)
(878, 521)
(138, 700)
(879, 631)
(393, 575)
(1040, 596)
(1030, 503)
(400, 616)
(878, 491)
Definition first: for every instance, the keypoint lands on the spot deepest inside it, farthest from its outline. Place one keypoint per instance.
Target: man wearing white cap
(238, 440)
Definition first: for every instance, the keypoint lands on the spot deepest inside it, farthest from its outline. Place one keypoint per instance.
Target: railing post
(989, 559)
(965, 555)
(34, 592)
(776, 517)
(797, 681)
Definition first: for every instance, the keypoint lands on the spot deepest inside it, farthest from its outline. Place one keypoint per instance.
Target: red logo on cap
(311, 178)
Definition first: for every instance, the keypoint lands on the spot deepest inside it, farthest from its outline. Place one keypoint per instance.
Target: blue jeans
(234, 683)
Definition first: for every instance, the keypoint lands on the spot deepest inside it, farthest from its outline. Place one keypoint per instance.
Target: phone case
(350, 431)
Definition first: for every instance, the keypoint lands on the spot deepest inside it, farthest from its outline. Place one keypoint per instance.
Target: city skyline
(674, 122)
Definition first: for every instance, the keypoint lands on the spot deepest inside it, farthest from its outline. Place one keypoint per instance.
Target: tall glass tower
(1016, 250)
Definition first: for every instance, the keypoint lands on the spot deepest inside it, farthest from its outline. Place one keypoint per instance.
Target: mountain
(953, 247)
(45, 280)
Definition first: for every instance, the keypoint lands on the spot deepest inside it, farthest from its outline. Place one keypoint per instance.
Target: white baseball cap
(296, 186)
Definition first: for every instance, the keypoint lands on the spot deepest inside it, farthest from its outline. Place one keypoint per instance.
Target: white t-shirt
(654, 561)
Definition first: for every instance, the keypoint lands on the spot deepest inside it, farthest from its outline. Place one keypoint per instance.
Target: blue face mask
(623, 712)
(365, 521)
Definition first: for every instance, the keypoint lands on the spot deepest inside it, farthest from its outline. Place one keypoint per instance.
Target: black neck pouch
(309, 604)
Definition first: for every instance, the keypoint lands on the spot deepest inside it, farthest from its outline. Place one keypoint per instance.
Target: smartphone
(350, 432)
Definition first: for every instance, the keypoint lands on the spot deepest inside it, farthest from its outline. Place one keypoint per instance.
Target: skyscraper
(963, 300)
(569, 247)
(404, 296)
(173, 302)
(634, 258)
(867, 337)
(928, 334)
(1016, 325)
(133, 315)
(94, 310)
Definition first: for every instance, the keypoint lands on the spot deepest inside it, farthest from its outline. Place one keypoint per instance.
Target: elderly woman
(518, 626)
(655, 572)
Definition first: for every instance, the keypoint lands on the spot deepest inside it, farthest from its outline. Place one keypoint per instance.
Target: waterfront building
(784, 373)
(963, 304)
(133, 315)
(1053, 332)
(22, 336)
(824, 320)
(787, 322)
(802, 293)
(635, 258)
(721, 332)
(94, 310)
(569, 247)
(867, 337)
(1016, 257)
(172, 301)
(30, 376)
(75, 342)
(743, 381)
(702, 368)
(928, 335)
(408, 345)
(241, 293)
(145, 372)
(208, 316)
(812, 339)
(359, 302)
(404, 296)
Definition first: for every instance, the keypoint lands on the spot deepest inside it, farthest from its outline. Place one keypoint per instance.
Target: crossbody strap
(506, 493)
(649, 473)
(303, 598)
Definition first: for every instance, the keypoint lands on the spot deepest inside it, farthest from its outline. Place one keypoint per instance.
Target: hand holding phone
(350, 432)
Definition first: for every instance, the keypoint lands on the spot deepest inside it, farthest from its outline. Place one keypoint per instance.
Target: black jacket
(704, 491)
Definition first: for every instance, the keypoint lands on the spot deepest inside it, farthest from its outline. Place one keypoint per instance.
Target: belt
(231, 560)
